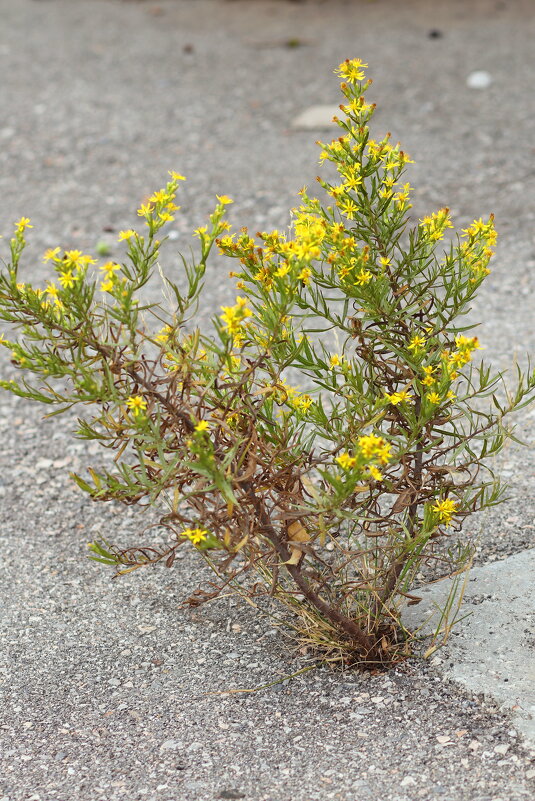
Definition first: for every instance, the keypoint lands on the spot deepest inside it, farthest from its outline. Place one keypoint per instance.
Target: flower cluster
(234, 318)
(371, 449)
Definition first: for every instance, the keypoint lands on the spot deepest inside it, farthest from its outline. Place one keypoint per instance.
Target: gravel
(105, 684)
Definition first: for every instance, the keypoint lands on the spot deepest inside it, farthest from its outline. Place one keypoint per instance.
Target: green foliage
(333, 490)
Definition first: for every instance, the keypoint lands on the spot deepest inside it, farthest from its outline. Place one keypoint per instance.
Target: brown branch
(348, 626)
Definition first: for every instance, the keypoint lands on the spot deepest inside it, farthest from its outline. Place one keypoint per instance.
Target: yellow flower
(348, 208)
(51, 253)
(352, 70)
(76, 259)
(335, 360)
(467, 343)
(107, 286)
(109, 268)
(304, 275)
(283, 270)
(374, 472)
(22, 224)
(433, 397)
(195, 535)
(224, 199)
(137, 404)
(363, 277)
(233, 317)
(164, 216)
(479, 227)
(352, 182)
(402, 197)
(159, 197)
(459, 357)
(202, 426)
(435, 224)
(66, 279)
(301, 403)
(445, 510)
(371, 445)
(172, 362)
(398, 397)
(126, 235)
(416, 343)
(145, 210)
(176, 176)
(392, 164)
(346, 461)
(164, 334)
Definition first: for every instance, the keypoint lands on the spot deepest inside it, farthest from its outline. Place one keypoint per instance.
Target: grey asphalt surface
(103, 693)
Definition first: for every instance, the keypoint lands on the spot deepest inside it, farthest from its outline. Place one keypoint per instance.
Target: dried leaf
(402, 501)
(296, 554)
(297, 532)
(241, 543)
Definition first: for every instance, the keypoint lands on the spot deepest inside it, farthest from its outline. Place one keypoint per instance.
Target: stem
(347, 625)
(398, 565)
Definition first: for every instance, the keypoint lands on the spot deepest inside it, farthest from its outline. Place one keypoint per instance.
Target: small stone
(480, 79)
(408, 781)
(501, 749)
(530, 774)
(316, 117)
(170, 745)
(114, 682)
(230, 794)
(474, 745)
(62, 462)
(195, 746)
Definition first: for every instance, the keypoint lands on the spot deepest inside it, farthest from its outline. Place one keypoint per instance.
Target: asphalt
(104, 685)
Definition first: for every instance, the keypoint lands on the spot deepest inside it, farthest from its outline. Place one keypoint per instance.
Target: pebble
(480, 79)
(170, 745)
(316, 117)
(43, 464)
